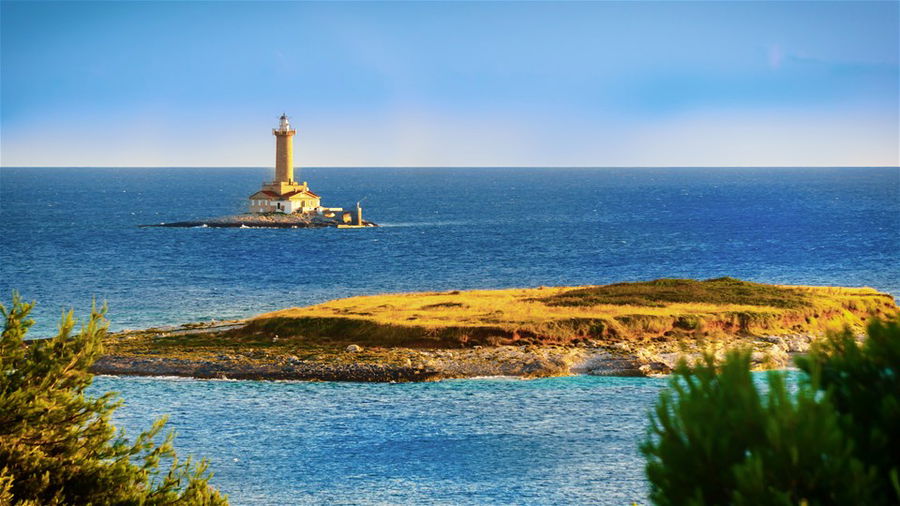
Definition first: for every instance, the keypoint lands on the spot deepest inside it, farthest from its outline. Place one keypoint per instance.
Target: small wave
(499, 377)
(180, 379)
(146, 377)
(424, 224)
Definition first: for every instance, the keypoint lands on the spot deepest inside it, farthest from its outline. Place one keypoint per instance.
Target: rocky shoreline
(287, 370)
(355, 364)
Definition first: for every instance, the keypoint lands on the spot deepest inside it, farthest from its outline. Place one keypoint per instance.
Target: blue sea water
(483, 441)
(72, 234)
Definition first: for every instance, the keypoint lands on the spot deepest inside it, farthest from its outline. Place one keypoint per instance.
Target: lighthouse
(284, 150)
(283, 194)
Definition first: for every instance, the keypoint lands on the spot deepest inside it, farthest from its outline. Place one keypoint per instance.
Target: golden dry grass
(522, 306)
(535, 314)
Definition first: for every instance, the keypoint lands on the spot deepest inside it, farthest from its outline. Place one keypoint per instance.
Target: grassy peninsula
(624, 328)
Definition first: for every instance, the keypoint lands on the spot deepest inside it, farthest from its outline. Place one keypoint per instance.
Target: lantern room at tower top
(283, 194)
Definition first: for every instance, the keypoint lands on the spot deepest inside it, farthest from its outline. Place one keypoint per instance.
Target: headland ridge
(624, 329)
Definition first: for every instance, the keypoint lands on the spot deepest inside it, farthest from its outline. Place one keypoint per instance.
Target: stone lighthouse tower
(284, 151)
(283, 194)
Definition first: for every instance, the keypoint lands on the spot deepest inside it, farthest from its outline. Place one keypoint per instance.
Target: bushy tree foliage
(715, 438)
(863, 383)
(57, 445)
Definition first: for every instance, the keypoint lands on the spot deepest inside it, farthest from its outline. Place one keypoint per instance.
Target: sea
(73, 235)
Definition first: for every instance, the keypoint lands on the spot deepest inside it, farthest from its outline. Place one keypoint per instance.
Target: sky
(633, 83)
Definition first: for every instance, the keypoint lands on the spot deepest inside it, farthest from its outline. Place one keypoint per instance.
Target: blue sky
(451, 83)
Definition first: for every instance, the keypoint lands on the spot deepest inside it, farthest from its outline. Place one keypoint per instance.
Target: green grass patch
(441, 305)
(660, 292)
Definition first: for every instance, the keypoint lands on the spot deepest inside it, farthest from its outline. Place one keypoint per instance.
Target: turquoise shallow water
(485, 441)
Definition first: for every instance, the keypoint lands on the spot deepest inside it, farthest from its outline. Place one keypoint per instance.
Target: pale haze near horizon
(451, 83)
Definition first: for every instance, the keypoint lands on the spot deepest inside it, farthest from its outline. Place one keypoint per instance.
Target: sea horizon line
(549, 167)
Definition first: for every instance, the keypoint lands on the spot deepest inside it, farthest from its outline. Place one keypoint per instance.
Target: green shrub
(57, 446)
(715, 438)
(863, 384)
